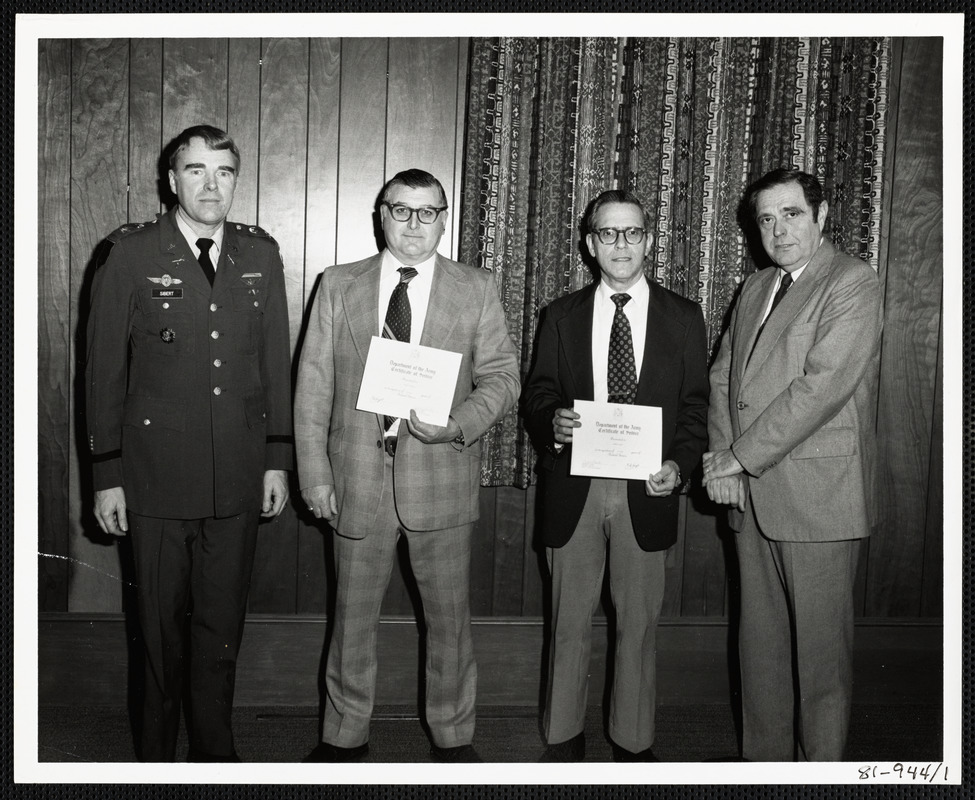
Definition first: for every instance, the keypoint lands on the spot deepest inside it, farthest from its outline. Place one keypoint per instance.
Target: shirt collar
(391, 263)
(191, 236)
(638, 292)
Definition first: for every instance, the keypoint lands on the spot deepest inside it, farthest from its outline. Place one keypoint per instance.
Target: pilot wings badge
(166, 280)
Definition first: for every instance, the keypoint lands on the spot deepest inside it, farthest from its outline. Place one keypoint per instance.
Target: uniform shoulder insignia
(125, 230)
(253, 230)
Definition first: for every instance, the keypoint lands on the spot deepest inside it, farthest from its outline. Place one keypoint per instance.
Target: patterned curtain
(686, 124)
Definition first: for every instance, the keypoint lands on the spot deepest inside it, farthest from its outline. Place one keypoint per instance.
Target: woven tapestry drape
(686, 124)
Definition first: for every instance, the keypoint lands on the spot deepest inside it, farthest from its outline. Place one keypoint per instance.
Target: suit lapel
(789, 307)
(449, 299)
(360, 297)
(177, 260)
(575, 333)
(658, 344)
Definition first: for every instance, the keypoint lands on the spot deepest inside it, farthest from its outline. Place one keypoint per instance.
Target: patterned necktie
(399, 317)
(784, 285)
(621, 375)
(205, 263)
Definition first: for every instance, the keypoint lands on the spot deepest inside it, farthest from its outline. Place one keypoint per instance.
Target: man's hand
(730, 491)
(275, 492)
(110, 511)
(432, 434)
(321, 501)
(720, 464)
(662, 483)
(564, 420)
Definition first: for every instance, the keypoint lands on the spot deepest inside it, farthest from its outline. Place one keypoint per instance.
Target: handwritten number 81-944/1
(914, 772)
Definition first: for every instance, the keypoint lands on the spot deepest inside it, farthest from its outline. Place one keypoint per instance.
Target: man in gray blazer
(375, 479)
(791, 427)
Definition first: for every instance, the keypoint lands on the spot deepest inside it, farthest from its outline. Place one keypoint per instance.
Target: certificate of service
(400, 376)
(616, 440)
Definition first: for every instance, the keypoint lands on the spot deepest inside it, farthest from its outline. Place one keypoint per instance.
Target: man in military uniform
(189, 417)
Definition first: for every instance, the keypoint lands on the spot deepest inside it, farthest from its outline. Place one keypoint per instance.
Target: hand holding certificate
(616, 440)
(400, 377)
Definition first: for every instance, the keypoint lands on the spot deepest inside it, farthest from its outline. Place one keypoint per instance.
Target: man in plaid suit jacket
(414, 479)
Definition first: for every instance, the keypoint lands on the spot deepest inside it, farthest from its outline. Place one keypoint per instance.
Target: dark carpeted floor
(689, 733)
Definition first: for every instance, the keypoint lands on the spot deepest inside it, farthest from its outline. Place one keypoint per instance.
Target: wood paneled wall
(321, 124)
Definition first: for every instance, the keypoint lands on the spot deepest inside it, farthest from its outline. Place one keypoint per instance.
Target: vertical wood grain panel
(704, 580)
(533, 582)
(482, 554)
(99, 174)
(283, 151)
(362, 146)
(912, 314)
(932, 586)
(674, 566)
(422, 110)
(54, 343)
(244, 121)
(145, 130)
(194, 84)
(509, 551)
(320, 208)
(323, 157)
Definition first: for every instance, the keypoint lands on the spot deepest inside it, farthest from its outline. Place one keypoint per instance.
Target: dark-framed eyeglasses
(609, 236)
(427, 214)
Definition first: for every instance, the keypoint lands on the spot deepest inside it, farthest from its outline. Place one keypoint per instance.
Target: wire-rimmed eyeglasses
(427, 214)
(609, 236)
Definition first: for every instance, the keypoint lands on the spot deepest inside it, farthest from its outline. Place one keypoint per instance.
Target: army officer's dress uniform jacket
(188, 404)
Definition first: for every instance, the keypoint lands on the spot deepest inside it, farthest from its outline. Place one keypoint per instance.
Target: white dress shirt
(604, 309)
(418, 292)
(191, 236)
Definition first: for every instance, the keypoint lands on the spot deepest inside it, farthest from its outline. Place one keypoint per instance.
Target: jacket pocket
(149, 412)
(254, 410)
(827, 443)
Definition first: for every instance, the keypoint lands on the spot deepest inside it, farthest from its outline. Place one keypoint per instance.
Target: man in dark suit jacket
(576, 359)
(793, 393)
(376, 479)
(189, 420)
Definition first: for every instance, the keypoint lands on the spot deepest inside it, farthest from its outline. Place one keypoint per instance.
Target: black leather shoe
(326, 753)
(463, 754)
(571, 750)
(621, 756)
(202, 757)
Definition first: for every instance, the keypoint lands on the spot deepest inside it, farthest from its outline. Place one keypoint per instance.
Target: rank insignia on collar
(166, 280)
(250, 278)
(168, 335)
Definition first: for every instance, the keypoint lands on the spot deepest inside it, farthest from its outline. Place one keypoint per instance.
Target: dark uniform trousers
(189, 404)
(206, 562)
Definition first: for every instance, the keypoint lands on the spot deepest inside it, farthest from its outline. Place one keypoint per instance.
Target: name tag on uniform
(167, 294)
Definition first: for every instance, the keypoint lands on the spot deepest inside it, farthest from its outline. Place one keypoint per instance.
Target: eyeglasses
(609, 236)
(427, 215)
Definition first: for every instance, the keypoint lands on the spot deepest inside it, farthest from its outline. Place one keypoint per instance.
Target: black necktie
(205, 263)
(621, 374)
(784, 285)
(399, 317)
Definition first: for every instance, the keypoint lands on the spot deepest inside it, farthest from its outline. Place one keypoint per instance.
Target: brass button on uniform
(145, 422)
(214, 334)
(217, 390)
(213, 306)
(217, 362)
(742, 405)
